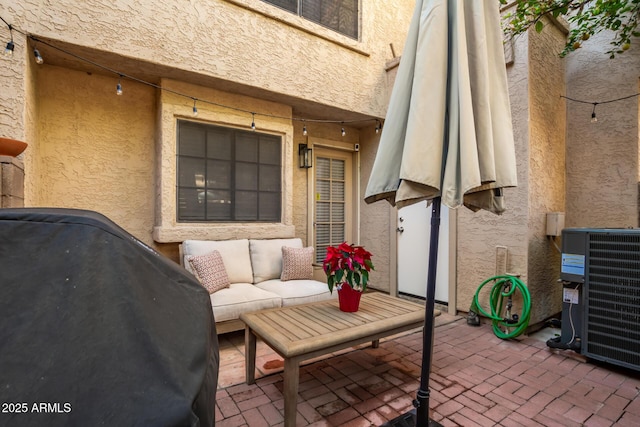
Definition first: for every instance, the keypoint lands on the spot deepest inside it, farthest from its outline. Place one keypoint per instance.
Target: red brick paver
(476, 380)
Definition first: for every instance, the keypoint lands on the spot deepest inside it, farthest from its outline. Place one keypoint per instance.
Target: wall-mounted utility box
(555, 223)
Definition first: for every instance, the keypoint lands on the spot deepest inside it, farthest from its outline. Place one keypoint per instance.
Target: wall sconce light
(305, 155)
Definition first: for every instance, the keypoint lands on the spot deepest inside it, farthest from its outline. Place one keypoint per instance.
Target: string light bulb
(378, 126)
(10, 47)
(36, 54)
(594, 119)
(8, 51)
(253, 121)
(304, 130)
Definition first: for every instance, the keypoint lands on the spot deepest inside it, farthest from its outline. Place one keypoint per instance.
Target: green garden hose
(504, 287)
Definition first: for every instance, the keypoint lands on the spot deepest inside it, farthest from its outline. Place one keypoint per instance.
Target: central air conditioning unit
(600, 274)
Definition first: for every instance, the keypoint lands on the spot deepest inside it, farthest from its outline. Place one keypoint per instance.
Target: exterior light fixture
(305, 155)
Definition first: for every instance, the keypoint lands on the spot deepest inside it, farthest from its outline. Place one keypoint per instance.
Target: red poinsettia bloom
(347, 264)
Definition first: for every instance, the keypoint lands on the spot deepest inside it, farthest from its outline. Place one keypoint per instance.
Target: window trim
(298, 13)
(172, 107)
(310, 27)
(233, 131)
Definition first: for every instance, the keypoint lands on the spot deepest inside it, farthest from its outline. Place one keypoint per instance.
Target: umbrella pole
(422, 400)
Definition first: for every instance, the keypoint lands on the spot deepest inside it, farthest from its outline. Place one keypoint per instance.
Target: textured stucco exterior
(91, 149)
(536, 81)
(602, 157)
(479, 234)
(95, 150)
(546, 174)
(376, 224)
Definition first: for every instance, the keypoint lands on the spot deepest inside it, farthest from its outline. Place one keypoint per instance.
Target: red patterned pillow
(297, 263)
(209, 270)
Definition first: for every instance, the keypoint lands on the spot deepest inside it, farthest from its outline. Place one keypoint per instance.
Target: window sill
(300, 23)
(223, 231)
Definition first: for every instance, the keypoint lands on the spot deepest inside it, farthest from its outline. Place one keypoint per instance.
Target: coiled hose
(507, 326)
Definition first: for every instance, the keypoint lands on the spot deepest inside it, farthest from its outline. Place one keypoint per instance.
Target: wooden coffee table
(306, 331)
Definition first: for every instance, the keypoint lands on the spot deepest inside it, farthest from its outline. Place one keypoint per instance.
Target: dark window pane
(192, 140)
(219, 144)
(270, 151)
(269, 207)
(246, 148)
(233, 176)
(218, 174)
(191, 172)
(290, 5)
(269, 178)
(339, 15)
(218, 205)
(246, 205)
(246, 176)
(190, 206)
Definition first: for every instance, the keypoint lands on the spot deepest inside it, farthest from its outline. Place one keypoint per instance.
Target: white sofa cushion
(234, 253)
(295, 292)
(239, 298)
(266, 257)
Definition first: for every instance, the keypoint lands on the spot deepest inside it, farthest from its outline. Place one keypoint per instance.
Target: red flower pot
(11, 147)
(348, 298)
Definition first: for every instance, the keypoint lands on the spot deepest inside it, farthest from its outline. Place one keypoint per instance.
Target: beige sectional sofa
(254, 269)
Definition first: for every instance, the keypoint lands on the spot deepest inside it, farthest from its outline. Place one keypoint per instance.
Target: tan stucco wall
(546, 180)
(536, 81)
(14, 89)
(478, 234)
(602, 157)
(248, 42)
(217, 46)
(95, 149)
(376, 221)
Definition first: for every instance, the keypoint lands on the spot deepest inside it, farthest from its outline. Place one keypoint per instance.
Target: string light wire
(122, 75)
(594, 118)
(8, 51)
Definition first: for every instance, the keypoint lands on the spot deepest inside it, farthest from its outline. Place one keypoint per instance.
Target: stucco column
(13, 76)
(11, 182)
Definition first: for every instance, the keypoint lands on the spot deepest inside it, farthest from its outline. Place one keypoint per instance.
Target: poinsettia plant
(347, 264)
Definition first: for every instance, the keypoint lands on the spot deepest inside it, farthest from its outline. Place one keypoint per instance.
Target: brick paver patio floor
(477, 379)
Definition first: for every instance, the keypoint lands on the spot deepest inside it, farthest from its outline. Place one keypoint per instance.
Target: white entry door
(414, 231)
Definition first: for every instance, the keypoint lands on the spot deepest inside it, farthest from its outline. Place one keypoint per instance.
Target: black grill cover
(98, 329)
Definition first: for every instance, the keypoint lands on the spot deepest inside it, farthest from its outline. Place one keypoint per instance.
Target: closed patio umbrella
(448, 135)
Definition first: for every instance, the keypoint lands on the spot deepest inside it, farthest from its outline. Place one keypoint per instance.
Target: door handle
(400, 229)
